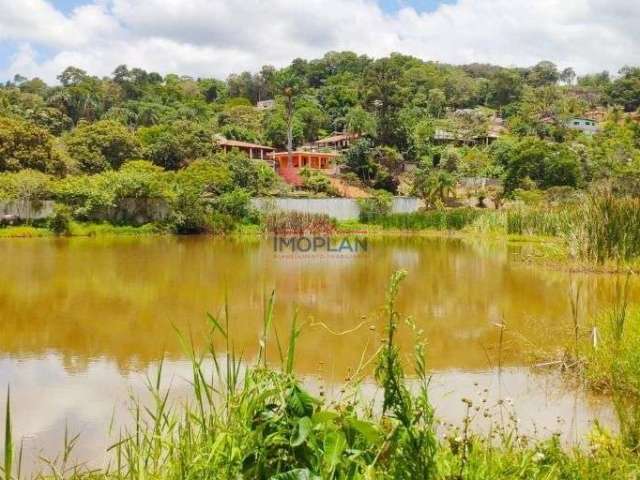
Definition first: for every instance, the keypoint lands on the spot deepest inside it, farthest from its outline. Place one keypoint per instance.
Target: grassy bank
(610, 354)
(259, 422)
(601, 230)
(78, 229)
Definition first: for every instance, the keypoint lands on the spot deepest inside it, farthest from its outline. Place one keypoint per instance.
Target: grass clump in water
(443, 219)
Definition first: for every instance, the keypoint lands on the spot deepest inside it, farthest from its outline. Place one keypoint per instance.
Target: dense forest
(81, 131)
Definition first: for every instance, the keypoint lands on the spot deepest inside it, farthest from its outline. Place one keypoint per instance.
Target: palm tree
(434, 185)
(289, 85)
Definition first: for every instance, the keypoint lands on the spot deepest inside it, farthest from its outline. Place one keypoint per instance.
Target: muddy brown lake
(82, 321)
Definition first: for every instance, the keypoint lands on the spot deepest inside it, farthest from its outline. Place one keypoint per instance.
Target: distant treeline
(395, 105)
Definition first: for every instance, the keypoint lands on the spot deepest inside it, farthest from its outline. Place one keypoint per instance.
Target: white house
(265, 104)
(585, 125)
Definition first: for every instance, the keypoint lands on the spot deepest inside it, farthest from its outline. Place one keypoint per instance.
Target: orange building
(302, 159)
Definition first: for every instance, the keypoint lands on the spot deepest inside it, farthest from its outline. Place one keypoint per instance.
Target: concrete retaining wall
(338, 208)
(139, 211)
(136, 211)
(27, 210)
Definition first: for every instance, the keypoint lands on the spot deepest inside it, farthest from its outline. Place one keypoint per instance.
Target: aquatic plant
(609, 228)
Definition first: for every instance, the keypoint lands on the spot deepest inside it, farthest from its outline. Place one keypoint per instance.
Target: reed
(298, 223)
(540, 222)
(8, 440)
(609, 228)
(453, 219)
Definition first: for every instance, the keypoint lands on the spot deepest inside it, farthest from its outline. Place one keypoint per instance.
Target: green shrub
(375, 206)
(220, 223)
(93, 196)
(60, 221)
(236, 204)
(317, 181)
(27, 184)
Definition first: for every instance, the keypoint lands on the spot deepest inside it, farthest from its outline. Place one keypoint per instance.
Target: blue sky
(387, 5)
(219, 37)
(419, 5)
(67, 5)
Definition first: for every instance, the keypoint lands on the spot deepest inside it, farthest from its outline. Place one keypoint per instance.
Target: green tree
(567, 76)
(24, 145)
(547, 164)
(422, 137)
(383, 94)
(102, 145)
(357, 159)
(360, 122)
(243, 118)
(436, 100)
(433, 184)
(276, 129)
(175, 145)
(543, 74)
(625, 90)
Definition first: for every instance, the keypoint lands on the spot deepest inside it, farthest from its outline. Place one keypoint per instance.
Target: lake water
(83, 320)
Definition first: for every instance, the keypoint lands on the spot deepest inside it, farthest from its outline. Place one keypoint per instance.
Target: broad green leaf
(300, 402)
(334, 444)
(324, 417)
(304, 429)
(367, 429)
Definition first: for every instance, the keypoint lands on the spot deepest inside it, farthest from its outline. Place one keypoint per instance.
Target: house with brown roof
(337, 141)
(253, 150)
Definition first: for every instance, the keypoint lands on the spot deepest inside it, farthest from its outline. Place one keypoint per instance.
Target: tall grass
(602, 228)
(453, 219)
(613, 364)
(257, 421)
(532, 221)
(608, 228)
(8, 440)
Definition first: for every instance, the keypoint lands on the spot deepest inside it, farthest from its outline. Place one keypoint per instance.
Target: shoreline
(545, 252)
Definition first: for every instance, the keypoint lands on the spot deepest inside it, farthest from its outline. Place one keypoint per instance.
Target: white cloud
(217, 37)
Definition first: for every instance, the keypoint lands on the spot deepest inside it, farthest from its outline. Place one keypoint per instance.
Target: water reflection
(96, 402)
(81, 318)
